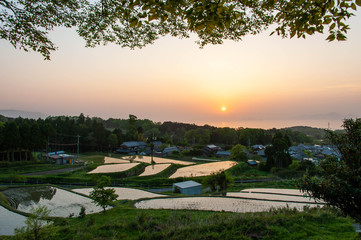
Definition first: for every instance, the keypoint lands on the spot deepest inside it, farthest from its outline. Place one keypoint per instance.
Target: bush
(82, 212)
(239, 169)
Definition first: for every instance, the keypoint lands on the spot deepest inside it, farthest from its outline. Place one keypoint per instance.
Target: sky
(263, 81)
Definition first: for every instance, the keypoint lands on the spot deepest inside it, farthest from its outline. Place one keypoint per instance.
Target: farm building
(169, 150)
(252, 163)
(61, 158)
(133, 147)
(211, 149)
(223, 154)
(188, 187)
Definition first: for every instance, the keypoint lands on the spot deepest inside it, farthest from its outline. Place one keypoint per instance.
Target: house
(55, 153)
(170, 150)
(188, 188)
(62, 158)
(260, 152)
(258, 147)
(157, 145)
(211, 149)
(224, 154)
(132, 147)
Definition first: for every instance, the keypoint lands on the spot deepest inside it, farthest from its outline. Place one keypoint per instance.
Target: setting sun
(223, 109)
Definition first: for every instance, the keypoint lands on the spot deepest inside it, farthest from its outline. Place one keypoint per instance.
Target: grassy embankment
(126, 222)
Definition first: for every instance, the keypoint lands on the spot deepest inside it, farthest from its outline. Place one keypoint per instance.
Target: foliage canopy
(37, 225)
(103, 196)
(136, 23)
(277, 154)
(238, 153)
(339, 183)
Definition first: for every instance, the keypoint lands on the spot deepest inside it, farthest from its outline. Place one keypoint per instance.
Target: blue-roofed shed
(170, 150)
(225, 154)
(252, 163)
(132, 147)
(188, 187)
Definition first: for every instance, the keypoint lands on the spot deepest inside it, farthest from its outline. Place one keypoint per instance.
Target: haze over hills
(330, 120)
(19, 113)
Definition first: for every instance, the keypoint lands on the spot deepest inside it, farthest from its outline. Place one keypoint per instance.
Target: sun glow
(223, 109)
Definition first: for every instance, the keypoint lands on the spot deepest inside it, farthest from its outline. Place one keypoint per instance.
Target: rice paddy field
(288, 195)
(203, 169)
(124, 193)
(112, 168)
(108, 160)
(113, 165)
(147, 159)
(154, 169)
(9, 221)
(274, 191)
(219, 204)
(61, 203)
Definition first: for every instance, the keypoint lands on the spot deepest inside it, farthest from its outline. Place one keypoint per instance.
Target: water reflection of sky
(61, 203)
(9, 221)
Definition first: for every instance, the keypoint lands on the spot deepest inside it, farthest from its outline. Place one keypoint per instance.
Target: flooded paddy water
(110, 168)
(227, 204)
(274, 191)
(61, 203)
(9, 221)
(124, 193)
(203, 169)
(108, 160)
(288, 195)
(147, 159)
(154, 169)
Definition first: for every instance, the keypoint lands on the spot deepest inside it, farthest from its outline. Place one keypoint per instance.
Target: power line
(63, 144)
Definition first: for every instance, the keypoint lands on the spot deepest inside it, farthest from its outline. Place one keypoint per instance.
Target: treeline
(96, 134)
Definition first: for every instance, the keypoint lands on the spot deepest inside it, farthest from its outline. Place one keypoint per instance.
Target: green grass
(125, 222)
(284, 184)
(93, 158)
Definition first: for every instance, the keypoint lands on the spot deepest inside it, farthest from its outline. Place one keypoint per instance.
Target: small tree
(339, 183)
(220, 180)
(238, 153)
(37, 225)
(103, 196)
(277, 154)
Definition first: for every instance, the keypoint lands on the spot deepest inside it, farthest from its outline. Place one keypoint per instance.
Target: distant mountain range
(24, 114)
(328, 116)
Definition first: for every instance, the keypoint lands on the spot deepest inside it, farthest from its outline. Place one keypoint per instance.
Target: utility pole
(77, 156)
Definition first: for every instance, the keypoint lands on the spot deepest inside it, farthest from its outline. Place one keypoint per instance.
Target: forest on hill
(97, 134)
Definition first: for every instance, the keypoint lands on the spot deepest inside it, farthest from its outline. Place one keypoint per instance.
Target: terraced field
(124, 193)
(203, 169)
(111, 168)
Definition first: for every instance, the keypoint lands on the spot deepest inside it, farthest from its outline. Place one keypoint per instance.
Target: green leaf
(200, 26)
(327, 20)
(358, 2)
(133, 23)
(331, 37)
(293, 33)
(353, 6)
(152, 17)
(341, 37)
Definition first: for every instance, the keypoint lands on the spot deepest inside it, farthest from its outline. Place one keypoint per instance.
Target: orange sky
(259, 78)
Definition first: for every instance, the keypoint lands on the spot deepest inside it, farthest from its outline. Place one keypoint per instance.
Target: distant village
(301, 152)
